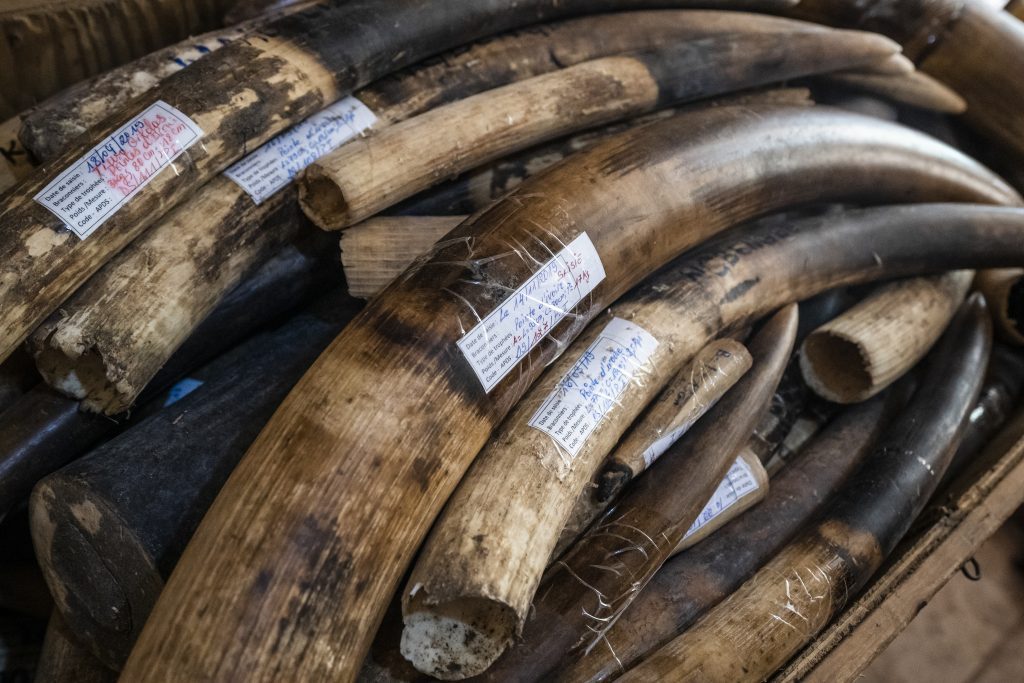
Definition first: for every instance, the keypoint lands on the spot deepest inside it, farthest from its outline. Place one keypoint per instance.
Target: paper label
(658, 448)
(181, 390)
(276, 163)
(739, 483)
(593, 386)
(498, 342)
(92, 190)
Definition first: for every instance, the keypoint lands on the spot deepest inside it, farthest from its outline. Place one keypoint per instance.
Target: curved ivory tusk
(147, 488)
(917, 89)
(373, 173)
(691, 583)
(110, 339)
(239, 97)
(359, 459)
(870, 346)
(684, 399)
(945, 38)
(784, 605)
(484, 185)
(586, 591)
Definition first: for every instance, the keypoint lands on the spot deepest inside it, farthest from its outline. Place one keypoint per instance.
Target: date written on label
(85, 195)
(594, 384)
(497, 343)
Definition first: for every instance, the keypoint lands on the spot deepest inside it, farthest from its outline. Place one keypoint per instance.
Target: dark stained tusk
(1000, 397)
(585, 592)
(751, 633)
(47, 46)
(1004, 290)
(64, 659)
(324, 518)
(917, 89)
(687, 396)
(112, 336)
(945, 39)
(371, 174)
(38, 434)
(109, 527)
(110, 339)
(772, 442)
(692, 582)
(49, 128)
(43, 431)
(231, 101)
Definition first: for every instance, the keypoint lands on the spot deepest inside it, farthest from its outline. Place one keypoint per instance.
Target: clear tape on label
(739, 482)
(276, 163)
(593, 386)
(93, 189)
(497, 343)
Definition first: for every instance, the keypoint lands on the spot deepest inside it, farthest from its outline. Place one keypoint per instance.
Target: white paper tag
(593, 386)
(739, 483)
(498, 342)
(92, 190)
(276, 163)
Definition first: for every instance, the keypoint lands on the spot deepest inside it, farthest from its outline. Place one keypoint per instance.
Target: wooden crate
(950, 531)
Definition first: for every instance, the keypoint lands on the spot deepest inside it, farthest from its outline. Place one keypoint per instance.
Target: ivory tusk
(296, 520)
(586, 591)
(371, 174)
(870, 346)
(751, 633)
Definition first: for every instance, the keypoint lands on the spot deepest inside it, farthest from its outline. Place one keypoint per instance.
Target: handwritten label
(85, 195)
(181, 390)
(276, 163)
(498, 342)
(739, 483)
(593, 386)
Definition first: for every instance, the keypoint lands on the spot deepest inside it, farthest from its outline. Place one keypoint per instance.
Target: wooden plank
(917, 572)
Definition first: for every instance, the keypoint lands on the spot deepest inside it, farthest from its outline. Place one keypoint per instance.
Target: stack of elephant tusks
(546, 340)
